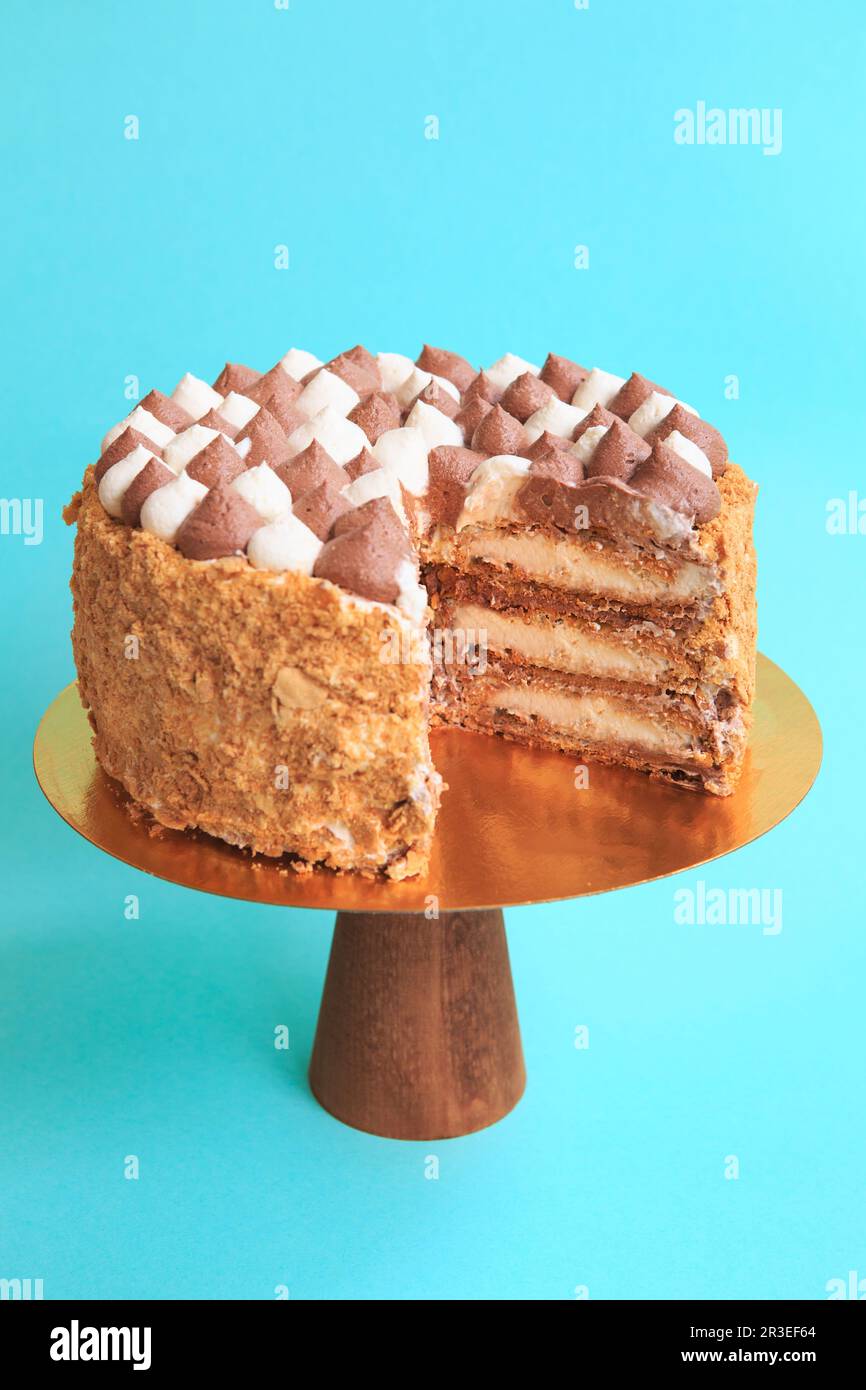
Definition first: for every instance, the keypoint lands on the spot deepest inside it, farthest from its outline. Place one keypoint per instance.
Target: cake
(284, 579)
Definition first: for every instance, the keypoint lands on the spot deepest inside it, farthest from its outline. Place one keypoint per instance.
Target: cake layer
(623, 574)
(596, 717)
(678, 771)
(592, 644)
(695, 707)
(676, 736)
(563, 644)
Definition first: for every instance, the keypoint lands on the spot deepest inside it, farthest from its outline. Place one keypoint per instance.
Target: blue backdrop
(308, 127)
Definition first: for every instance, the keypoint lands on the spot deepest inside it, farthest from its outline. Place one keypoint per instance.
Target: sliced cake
(257, 654)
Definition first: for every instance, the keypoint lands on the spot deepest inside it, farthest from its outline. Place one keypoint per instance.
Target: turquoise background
(154, 1038)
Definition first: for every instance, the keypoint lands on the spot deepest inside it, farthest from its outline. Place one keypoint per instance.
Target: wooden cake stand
(418, 1035)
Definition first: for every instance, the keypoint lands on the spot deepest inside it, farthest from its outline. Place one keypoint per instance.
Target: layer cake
(283, 579)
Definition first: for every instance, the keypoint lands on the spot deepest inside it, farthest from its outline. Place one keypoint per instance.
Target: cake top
(331, 468)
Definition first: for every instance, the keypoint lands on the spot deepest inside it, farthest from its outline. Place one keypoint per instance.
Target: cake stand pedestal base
(418, 1035)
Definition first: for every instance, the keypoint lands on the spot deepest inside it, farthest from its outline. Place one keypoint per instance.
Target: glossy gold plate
(513, 828)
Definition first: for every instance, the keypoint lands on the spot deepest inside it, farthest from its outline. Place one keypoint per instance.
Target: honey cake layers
(253, 641)
(593, 576)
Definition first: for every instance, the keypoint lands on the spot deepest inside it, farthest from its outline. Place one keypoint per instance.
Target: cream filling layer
(598, 718)
(570, 564)
(559, 645)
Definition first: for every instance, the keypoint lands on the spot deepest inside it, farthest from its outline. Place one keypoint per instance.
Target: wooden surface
(418, 1035)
